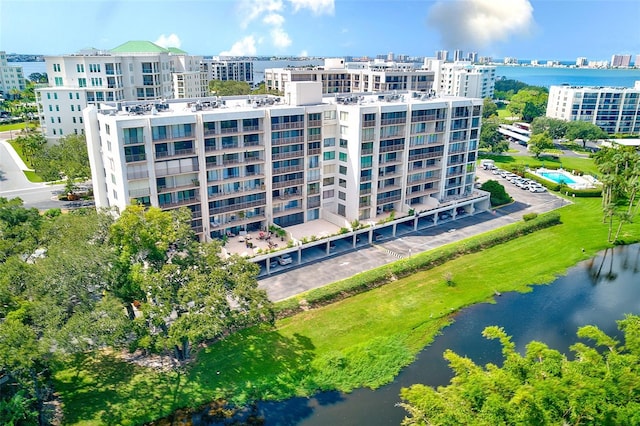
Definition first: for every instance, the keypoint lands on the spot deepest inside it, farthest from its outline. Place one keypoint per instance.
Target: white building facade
(462, 78)
(133, 71)
(338, 76)
(11, 77)
(613, 109)
(227, 69)
(249, 162)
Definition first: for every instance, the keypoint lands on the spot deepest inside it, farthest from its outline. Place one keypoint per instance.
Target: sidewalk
(12, 152)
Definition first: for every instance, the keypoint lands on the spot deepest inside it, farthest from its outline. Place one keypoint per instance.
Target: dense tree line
(235, 88)
(84, 281)
(599, 386)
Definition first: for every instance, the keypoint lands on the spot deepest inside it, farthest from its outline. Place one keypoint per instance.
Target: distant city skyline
(524, 29)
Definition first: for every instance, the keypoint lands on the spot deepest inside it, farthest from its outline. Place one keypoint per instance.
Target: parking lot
(345, 260)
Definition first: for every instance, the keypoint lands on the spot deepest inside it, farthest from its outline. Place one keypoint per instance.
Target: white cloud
(318, 7)
(280, 38)
(252, 9)
(479, 23)
(274, 19)
(244, 47)
(171, 40)
(303, 54)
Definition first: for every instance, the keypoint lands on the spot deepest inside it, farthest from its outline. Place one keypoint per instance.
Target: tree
(539, 143)
(620, 168)
(491, 139)
(505, 88)
(528, 103)
(32, 144)
(37, 77)
(489, 108)
(70, 157)
(555, 127)
(229, 87)
(185, 291)
(585, 131)
(498, 194)
(262, 90)
(599, 386)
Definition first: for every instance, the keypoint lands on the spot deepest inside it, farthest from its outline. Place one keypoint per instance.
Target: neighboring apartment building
(217, 68)
(249, 162)
(462, 78)
(11, 77)
(337, 76)
(133, 71)
(614, 109)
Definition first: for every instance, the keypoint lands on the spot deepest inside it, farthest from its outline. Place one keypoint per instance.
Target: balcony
(140, 174)
(236, 207)
(285, 183)
(288, 169)
(170, 188)
(285, 155)
(132, 158)
(182, 202)
(315, 123)
(251, 129)
(424, 155)
(369, 123)
(388, 199)
(142, 192)
(284, 141)
(394, 147)
(176, 153)
(288, 126)
(177, 170)
(226, 130)
(314, 151)
(388, 121)
(314, 137)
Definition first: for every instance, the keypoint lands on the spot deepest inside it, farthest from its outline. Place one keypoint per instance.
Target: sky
(524, 29)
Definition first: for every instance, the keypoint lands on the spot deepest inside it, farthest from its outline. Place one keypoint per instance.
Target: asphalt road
(13, 182)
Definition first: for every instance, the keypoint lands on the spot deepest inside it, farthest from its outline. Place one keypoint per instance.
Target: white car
(537, 188)
(285, 259)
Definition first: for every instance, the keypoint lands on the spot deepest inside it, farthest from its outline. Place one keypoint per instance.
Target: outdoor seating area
(252, 243)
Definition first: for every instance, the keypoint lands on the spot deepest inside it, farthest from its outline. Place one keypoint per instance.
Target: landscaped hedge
(423, 261)
(551, 186)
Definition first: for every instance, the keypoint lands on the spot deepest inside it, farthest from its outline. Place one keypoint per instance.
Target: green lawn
(568, 163)
(362, 341)
(14, 126)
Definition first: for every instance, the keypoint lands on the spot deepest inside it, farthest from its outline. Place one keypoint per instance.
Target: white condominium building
(337, 76)
(227, 69)
(462, 78)
(613, 109)
(11, 77)
(249, 162)
(133, 71)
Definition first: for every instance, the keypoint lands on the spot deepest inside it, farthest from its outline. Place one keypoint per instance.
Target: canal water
(599, 292)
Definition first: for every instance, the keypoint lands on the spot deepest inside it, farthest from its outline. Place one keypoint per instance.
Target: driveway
(13, 182)
(297, 279)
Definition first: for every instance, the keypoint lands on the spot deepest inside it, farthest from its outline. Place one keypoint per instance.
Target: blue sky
(526, 29)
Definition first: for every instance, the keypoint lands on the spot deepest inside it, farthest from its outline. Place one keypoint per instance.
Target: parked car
(285, 259)
(538, 188)
(497, 171)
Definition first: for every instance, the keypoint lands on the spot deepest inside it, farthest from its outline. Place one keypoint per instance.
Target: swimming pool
(558, 177)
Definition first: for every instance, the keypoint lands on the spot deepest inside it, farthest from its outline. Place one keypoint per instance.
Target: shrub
(498, 194)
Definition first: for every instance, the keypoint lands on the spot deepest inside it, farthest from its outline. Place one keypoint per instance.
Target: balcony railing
(140, 174)
(236, 207)
(285, 155)
(177, 170)
(315, 123)
(394, 147)
(288, 169)
(183, 202)
(424, 155)
(389, 199)
(283, 141)
(142, 192)
(387, 121)
(285, 183)
(287, 126)
(135, 157)
(176, 153)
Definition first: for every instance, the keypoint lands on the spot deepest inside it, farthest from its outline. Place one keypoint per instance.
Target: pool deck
(578, 182)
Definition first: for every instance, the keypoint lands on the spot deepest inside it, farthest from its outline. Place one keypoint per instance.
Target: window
(58, 81)
(342, 183)
(366, 161)
(343, 143)
(328, 181)
(342, 157)
(329, 193)
(342, 210)
(344, 115)
(82, 82)
(80, 67)
(341, 195)
(328, 142)
(330, 115)
(329, 155)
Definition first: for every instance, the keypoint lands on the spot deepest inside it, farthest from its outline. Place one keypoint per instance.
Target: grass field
(362, 341)
(568, 163)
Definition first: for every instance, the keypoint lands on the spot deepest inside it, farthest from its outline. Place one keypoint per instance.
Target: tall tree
(598, 386)
(528, 103)
(69, 157)
(229, 87)
(620, 169)
(539, 143)
(588, 132)
(491, 139)
(489, 108)
(556, 128)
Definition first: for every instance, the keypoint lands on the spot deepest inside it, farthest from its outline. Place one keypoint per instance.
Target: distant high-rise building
(620, 61)
(485, 60)
(457, 55)
(636, 63)
(222, 69)
(462, 78)
(11, 77)
(535, 62)
(442, 55)
(390, 56)
(582, 62)
(472, 57)
(510, 61)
